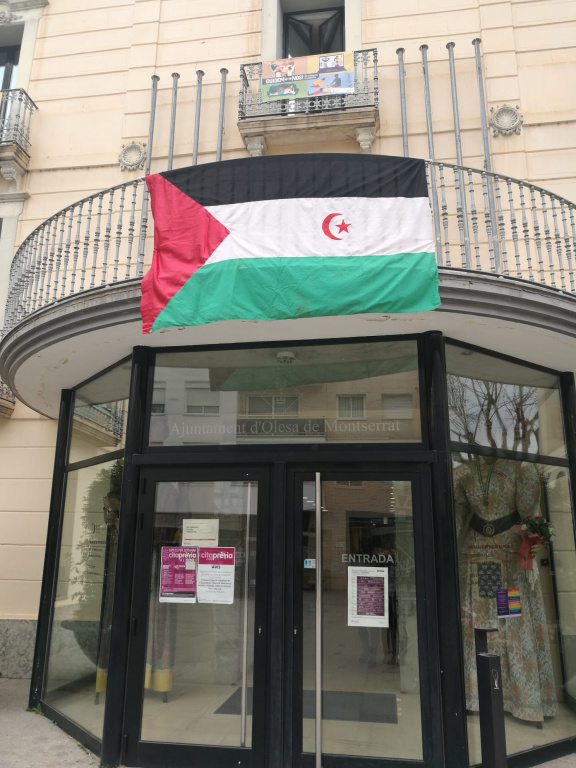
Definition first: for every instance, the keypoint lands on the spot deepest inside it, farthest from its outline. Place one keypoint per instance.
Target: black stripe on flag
(283, 177)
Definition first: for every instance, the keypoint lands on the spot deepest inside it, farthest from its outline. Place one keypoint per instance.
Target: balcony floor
(72, 340)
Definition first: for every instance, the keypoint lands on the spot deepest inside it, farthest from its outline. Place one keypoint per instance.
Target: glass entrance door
(361, 640)
(200, 557)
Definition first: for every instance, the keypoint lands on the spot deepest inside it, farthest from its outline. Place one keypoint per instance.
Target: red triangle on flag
(185, 235)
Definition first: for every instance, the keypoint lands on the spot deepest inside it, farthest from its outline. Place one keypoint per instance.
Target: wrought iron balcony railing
(110, 419)
(365, 94)
(16, 110)
(483, 222)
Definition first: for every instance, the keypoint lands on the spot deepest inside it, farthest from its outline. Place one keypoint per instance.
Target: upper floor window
(351, 406)
(273, 405)
(9, 58)
(397, 406)
(315, 31)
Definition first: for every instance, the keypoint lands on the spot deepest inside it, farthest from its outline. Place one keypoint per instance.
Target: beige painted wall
(26, 463)
(90, 76)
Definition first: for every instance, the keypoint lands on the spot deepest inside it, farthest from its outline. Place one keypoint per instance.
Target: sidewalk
(28, 740)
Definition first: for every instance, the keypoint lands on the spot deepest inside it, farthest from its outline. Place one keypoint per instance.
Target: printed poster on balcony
(178, 572)
(216, 566)
(200, 533)
(367, 597)
(329, 74)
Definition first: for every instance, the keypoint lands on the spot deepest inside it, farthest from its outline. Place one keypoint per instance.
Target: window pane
(538, 647)
(351, 406)
(500, 404)
(370, 667)
(323, 394)
(200, 646)
(99, 415)
(82, 618)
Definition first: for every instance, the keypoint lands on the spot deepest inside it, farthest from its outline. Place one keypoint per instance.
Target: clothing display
(491, 497)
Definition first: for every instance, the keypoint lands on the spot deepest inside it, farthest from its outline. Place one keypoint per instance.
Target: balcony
(320, 118)
(16, 110)
(505, 250)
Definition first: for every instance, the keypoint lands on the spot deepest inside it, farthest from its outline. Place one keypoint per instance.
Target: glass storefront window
(499, 404)
(82, 618)
(536, 642)
(332, 393)
(99, 415)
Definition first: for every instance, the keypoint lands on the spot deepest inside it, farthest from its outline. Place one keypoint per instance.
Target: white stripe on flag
(299, 227)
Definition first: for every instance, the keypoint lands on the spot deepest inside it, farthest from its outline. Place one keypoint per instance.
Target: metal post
(427, 103)
(199, 76)
(487, 163)
(175, 77)
(491, 703)
(318, 621)
(223, 73)
(402, 76)
(144, 213)
(153, 96)
(244, 702)
(458, 138)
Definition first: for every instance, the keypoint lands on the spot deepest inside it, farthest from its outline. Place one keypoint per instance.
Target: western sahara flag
(289, 236)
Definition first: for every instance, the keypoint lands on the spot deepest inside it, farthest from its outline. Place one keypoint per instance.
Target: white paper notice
(216, 575)
(367, 597)
(200, 533)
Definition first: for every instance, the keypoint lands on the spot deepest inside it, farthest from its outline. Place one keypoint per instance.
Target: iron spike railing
(92, 243)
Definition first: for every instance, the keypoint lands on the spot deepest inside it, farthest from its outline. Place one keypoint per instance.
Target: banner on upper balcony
(326, 74)
(289, 236)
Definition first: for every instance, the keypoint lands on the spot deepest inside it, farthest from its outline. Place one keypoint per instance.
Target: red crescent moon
(326, 226)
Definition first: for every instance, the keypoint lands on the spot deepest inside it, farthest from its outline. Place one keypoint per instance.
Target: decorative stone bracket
(365, 137)
(13, 165)
(256, 145)
(13, 174)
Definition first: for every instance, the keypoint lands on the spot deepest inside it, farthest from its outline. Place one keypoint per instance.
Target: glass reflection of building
(510, 459)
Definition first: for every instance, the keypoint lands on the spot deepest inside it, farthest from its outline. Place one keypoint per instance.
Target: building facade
(367, 475)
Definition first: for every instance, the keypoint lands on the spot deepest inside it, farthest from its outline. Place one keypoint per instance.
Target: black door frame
(428, 643)
(138, 752)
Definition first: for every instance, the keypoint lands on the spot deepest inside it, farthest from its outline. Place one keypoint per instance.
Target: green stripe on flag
(306, 286)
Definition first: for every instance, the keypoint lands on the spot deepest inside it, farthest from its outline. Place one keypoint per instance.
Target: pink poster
(178, 574)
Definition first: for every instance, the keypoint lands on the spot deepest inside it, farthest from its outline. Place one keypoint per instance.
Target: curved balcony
(504, 247)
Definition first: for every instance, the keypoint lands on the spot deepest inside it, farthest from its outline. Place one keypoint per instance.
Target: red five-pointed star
(343, 227)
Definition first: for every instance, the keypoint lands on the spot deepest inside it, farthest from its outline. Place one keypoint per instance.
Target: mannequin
(491, 497)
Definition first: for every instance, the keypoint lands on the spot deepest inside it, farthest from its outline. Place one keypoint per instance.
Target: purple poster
(367, 597)
(178, 571)
(370, 596)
